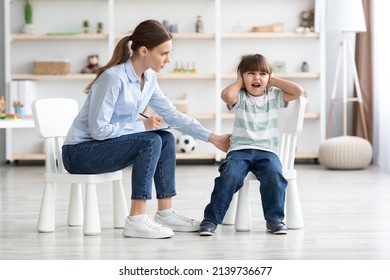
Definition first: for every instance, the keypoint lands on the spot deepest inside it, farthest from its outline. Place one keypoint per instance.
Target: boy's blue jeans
(152, 155)
(268, 170)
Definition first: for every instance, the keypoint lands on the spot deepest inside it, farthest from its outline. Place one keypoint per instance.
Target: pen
(145, 116)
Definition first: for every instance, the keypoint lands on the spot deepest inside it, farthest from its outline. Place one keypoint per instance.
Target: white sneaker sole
(134, 234)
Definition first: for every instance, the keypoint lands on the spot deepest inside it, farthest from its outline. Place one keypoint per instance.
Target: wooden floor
(346, 217)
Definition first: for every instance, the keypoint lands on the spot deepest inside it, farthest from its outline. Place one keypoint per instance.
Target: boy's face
(255, 82)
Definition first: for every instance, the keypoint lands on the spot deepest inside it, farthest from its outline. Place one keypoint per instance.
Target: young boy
(255, 97)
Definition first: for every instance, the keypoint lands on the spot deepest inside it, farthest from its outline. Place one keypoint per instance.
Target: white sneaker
(145, 228)
(177, 222)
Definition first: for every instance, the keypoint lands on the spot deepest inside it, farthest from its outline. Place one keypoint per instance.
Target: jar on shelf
(305, 67)
(199, 24)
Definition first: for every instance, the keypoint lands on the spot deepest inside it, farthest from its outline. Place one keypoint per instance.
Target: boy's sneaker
(276, 227)
(207, 228)
(145, 228)
(177, 222)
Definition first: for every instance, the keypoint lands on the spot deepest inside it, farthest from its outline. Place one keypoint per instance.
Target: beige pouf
(345, 152)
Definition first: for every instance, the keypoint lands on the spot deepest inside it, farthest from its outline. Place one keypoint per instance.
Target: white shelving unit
(216, 53)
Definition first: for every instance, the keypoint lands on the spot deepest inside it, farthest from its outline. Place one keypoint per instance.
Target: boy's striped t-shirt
(256, 120)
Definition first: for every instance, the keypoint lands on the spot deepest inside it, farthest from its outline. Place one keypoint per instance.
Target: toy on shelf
(306, 22)
(9, 117)
(19, 109)
(182, 69)
(279, 66)
(93, 64)
(2, 104)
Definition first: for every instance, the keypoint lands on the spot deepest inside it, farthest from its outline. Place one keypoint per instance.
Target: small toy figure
(93, 64)
(306, 22)
(2, 104)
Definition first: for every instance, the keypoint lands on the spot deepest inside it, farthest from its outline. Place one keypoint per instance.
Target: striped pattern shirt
(256, 121)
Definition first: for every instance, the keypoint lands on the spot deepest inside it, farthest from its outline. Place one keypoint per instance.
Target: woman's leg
(142, 150)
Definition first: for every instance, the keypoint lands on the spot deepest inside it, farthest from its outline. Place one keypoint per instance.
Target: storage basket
(51, 67)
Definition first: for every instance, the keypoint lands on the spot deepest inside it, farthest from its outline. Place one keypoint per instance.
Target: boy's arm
(290, 89)
(230, 94)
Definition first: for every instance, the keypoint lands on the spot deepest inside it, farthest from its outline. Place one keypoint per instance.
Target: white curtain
(381, 71)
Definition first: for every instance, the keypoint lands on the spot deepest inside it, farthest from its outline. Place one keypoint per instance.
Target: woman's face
(159, 57)
(255, 82)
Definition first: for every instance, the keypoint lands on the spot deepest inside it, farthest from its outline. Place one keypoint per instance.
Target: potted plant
(86, 26)
(28, 18)
(99, 27)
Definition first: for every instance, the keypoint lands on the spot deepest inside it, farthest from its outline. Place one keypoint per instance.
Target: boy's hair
(254, 62)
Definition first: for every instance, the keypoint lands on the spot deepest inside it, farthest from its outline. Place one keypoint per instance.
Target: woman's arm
(222, 142)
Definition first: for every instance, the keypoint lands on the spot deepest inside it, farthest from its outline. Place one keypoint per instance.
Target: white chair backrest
(290, 126)
(52, 119)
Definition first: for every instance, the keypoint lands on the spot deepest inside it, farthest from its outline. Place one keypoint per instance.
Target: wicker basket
(277, 27)
(51, 67)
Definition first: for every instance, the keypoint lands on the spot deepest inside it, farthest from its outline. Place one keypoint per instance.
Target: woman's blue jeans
(151, 153)
(268, 170)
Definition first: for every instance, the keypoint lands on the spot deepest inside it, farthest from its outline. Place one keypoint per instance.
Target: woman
(107, 134)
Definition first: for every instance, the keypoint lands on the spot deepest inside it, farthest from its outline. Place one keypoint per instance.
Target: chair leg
(91, 211)
(46, 220)
(243, 220)
(294, 218)
(75, 211)
(120, 206)
(230, 215)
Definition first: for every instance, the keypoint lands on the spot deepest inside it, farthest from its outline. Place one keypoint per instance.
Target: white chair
(290, 126)
(53, 118)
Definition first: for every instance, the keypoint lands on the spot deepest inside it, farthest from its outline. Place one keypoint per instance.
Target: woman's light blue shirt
(114, 102)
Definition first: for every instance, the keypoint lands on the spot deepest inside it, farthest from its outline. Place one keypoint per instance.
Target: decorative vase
(28, 28)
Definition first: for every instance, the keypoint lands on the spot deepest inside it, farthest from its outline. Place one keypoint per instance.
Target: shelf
(171, 76)
(81, 36)
(230, 116)
(299, 155)
(53, 77)
(17, 123)
(270, 35)
(194, 156)
(186, 76)
(28, 157)
(286, 75)
(187, 36)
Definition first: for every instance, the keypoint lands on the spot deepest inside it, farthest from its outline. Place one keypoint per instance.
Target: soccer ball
(185, 143)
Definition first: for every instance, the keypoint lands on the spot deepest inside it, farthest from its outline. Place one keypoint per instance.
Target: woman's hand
(222, 142)
(153, 122)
